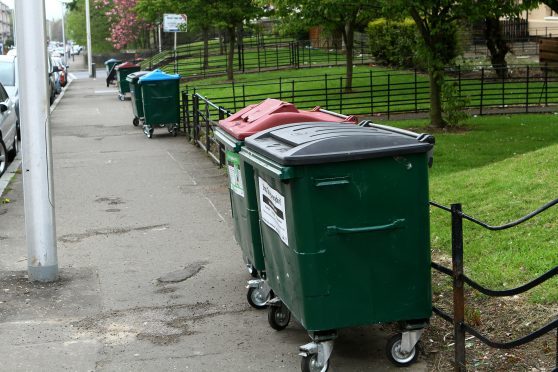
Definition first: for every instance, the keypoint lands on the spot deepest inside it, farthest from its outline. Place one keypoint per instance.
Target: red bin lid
(271, 113)
(126, 65)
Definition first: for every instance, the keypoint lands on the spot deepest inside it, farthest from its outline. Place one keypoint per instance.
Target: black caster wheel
(121, 97)
(396, 356)
(150, 133)
(174, 132)
(136, 122)
(256, 298)
(310, 364)
(278, 317)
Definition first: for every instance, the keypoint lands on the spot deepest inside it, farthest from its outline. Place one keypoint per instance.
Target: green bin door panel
(358, 248)
(161, 102)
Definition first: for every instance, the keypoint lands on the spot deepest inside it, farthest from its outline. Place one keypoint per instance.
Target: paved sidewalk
(134, 215)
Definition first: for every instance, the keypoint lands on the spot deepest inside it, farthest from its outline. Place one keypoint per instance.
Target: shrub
(393, 43)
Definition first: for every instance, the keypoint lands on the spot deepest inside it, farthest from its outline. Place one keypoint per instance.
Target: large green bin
(344, 218)
(161, 101)
(110, 63)
(231, 134)
(122, 71)
(137, 98)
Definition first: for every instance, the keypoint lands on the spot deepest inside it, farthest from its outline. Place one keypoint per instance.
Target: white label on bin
(272, 210)
(235, 176)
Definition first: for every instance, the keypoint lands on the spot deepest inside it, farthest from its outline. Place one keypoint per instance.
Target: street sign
(175, 22)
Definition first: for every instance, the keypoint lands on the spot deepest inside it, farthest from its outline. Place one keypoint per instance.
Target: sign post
(175, 23)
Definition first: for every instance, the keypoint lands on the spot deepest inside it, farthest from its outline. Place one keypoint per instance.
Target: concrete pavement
(132, 216)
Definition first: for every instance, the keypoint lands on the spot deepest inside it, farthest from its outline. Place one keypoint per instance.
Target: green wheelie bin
(111, 71)
(344, 218)
(161, 101)
(122, 71)
(135, 93)
(231, 133)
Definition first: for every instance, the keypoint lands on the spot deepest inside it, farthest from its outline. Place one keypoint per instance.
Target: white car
(9, 79)
(8, 130)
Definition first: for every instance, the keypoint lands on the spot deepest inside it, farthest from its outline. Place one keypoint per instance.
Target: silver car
(8, 130)
(9, 79)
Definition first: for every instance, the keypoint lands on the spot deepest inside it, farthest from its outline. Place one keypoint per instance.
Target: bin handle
(355, 230)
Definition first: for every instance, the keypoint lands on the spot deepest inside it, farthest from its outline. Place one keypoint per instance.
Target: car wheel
(3, 158)
(12, 153)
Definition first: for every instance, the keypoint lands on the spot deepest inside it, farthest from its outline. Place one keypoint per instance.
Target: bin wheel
(278, 317)
(396, 356)
(135, 122)
(174, 132)
(121, 97)
(256, 299)
(310, 364)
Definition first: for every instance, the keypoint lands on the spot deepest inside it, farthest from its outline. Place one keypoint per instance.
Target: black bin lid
(317, 143)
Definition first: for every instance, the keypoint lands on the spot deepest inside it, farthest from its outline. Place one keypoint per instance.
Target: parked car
(76, 49)
(10, 81)
(8, 130)
(51, 86)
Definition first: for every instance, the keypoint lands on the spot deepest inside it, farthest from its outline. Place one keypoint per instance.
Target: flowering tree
(124, 25)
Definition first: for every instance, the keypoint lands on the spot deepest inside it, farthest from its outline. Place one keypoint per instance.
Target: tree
(344, 17)
(230, 15)
(436, 21)
(124, 25)
(75, 27)
(490, 12)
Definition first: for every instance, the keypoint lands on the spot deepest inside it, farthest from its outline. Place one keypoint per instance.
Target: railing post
(546, 84)
(221, 147)
(527, 92)
(416, 93)
(503, 88)
(481, 90)
(326, 93)
(292, 91)
(389, 95)
(244, 95)
(340, 94)
(196, 112)
(458, 294)
(234, 95)
(280, 87)
(371, 93)
(207, 139)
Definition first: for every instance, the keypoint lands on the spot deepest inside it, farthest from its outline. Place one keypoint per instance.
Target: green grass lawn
(375, 90)
(500, 170)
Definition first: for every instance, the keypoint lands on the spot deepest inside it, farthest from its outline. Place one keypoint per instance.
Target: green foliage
(75, 27)
(453, 104)
(393, 42)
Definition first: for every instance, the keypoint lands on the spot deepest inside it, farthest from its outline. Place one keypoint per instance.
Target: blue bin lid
(158, 75)
(112, 60)
(318, 143)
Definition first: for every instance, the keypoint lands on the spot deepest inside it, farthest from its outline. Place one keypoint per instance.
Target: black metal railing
(254, 55)
(460, 279)
(200, 116)
(529, 88)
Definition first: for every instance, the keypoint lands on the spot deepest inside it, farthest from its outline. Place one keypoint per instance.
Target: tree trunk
(205, 36)
(348, 36)
(497, 46)
(230, 57)
(436, 119)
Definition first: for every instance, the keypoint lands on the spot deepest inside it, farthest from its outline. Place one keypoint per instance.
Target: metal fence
(254, 54)
(460, 279)
(382, 91)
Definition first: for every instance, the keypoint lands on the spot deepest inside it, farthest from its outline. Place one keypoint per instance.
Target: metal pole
(458, 294)
(64, 38)
(175, 42)
(160, 39)
(38, 190)
(88, 31)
